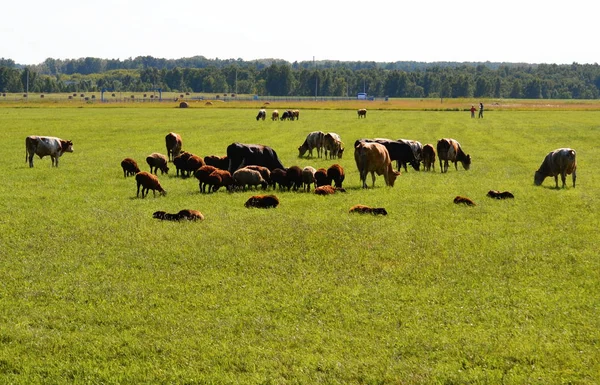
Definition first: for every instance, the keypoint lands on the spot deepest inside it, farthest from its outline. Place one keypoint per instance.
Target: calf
(333, 143)
(428, 157)
(148, 182)
(262, 201)
(130, 167)
(362, 209)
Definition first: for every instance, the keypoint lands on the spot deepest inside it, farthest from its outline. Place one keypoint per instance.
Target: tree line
(273, 77)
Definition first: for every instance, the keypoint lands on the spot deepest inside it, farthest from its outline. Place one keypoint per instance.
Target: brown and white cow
(275, 115)
(333, 143)
(173, 143)
(561, 162)
(450, 150)
(374, 158)
(313, 140)
(46, 145)
(362, 113)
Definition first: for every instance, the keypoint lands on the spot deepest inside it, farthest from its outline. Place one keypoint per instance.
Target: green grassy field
(93, 290)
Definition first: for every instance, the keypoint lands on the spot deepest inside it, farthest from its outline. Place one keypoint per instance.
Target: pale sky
(372, 30)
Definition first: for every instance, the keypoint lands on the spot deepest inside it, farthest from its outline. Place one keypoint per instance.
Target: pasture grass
(93, 290)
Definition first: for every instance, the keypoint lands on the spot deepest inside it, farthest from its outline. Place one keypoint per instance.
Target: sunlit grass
(93, 290)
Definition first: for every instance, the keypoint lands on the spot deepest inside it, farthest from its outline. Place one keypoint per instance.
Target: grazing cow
(286, 115)
(295, 114)
(374, 158)
(561, 162)
(252, 154)
(428, 157)
(308, 177)
(262, 114)
(333, 143)
(313, 140)
(157, 161)
(202, 175)
(401, 152)
(221, 162)
(362, 209)
(246, 177)
(173, 143)
(321, 178)
(416, 147)
(148, 182)
(500, 195)
(464, 200)
(46, 145)
(335, 174)
(275, 115)
(450, 150)
(262, 201)
(130, 167)
(362, 113)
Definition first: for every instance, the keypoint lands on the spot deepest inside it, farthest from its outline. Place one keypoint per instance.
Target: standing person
(481, 110)
(473, 111)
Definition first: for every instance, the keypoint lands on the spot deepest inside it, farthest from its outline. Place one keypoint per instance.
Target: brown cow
(130, 167)
(428, 157)
(173, 143)
(374, 158)
(450, 150)
(362, 113)
(561, 161)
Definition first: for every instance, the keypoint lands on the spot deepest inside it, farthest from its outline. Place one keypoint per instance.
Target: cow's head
(392, 177)
(538, 178)
(341, 152)
(66, 146)
(467, 162)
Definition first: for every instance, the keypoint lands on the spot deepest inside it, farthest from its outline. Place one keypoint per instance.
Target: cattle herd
(253, 166)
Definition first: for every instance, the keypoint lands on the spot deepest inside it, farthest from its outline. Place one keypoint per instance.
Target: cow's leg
(556, 180)
(373, 178)
(31, 160)
(563, 178)
(574, 176)
(138, 190)
(456, 165)
(441, 166)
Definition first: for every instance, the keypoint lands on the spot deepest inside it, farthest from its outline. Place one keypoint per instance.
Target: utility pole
(316, 78)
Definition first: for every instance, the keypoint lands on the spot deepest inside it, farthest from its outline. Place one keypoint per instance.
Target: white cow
(46, 145)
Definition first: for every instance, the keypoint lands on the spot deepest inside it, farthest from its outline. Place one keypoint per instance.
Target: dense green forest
(274, 77)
